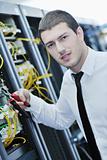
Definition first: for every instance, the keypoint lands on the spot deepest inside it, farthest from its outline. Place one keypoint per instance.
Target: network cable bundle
(29, 75)
(8, 30)
(9, 121)
(10, 125)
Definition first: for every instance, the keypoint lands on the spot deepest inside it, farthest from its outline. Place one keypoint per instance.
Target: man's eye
(64, 37)
(50, 46)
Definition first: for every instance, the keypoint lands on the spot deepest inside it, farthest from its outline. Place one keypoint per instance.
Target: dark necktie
(85, 121)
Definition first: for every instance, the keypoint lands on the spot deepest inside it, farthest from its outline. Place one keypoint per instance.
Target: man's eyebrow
(57, 38)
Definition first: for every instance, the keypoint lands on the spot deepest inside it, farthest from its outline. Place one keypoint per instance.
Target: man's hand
(22, 97)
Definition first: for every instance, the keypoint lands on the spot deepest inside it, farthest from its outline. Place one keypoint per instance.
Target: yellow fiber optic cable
(21, 138)
(35, 40)
(15, 128)
(42, 94)
(8, 26)
(10, 134)
(2, 61)
(33, 75)
(32, 80)
(44, 76)
(2, 25)
(9, 128)
(14, 48)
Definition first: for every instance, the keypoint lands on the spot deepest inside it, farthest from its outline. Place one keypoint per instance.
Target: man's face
(64, 45)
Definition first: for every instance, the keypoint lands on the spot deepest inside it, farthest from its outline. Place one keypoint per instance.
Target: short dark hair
(55, 17)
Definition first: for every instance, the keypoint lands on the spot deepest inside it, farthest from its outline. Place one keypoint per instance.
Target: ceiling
(91, 9)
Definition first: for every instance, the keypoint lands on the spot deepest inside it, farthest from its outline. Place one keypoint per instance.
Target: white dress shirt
(94, 87)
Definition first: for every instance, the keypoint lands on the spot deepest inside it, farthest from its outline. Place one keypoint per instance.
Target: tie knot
(78, 76)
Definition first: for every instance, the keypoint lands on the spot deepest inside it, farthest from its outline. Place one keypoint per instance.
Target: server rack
(92, 38)
(35, 148)
(20, 151)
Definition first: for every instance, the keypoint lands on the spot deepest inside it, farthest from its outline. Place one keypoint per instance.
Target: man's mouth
(65, 57)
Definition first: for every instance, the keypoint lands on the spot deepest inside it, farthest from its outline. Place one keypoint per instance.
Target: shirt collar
(88, 66)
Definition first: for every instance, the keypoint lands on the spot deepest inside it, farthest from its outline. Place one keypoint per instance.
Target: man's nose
(60, 48)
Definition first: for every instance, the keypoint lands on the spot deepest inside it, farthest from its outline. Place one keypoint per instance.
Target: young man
(64, 39)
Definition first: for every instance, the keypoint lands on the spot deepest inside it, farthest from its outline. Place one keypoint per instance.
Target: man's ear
(80, 33)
